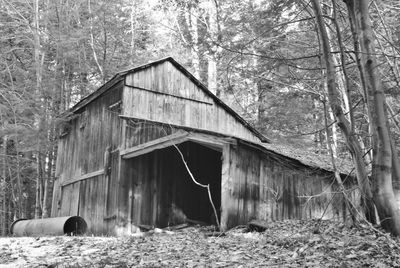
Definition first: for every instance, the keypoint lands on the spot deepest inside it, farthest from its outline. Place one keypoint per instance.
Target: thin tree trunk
(382, 160)
(334, 134)
(49, 175)
(100, 68)
(396, 173)
(338, 179)
(38, 185)
(133, 26)
(395, 157)
(318, 139)
(191, 16)
(19, 185)
(343, 123)
(45, 209)
(38, 91)
(4, 189)
(212, 53)
(344, 75)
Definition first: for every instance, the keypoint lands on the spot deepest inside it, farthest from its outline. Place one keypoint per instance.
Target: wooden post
(226, 185)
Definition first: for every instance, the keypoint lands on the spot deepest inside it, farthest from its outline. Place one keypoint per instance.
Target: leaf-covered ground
(284, 244)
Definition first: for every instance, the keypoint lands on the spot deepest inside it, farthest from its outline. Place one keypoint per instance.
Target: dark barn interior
(157, 185)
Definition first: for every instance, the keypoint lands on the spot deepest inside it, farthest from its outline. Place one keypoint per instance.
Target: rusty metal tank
(71, 225)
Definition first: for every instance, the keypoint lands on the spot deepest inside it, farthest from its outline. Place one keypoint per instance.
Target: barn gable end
(165, 92)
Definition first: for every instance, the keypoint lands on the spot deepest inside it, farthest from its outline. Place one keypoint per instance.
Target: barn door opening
(205, 165)
(159, 190)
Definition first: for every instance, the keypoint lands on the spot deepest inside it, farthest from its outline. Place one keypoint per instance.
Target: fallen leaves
(288, 244)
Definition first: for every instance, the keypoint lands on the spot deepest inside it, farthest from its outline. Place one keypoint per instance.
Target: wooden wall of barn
(82, 177)
(269, 187)
(164, 94)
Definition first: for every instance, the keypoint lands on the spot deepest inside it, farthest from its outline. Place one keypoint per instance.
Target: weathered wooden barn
(118, 163)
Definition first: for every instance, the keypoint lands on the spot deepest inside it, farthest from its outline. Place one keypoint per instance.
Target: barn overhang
(212, 142)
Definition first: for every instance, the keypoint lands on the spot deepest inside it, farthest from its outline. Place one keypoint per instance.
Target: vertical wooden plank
(228, 202)
(241, 172)
(152, 78)
(137, 191)
(154, 187)
(82, 202)
(146, 211)
(112, 206)
(180, 84)
(65, 205)
(55, 208)
(75, 199)
(297, 199)
(167, 78)
(99, 181)
(122, 192)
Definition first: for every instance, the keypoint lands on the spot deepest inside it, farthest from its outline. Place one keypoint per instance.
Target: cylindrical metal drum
(72, 225)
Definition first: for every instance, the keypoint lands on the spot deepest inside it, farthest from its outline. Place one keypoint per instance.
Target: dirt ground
(283, 244)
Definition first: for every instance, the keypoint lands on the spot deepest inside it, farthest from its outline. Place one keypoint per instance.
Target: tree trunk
(385, 201)
(191, 16)
(338, 179)
(49, 177)
(395, 160)
(212, 82)
(38, 185)
(133, 31)
(96, 60)
(334, 134)
(4, 220)
(343, 123)
(36, 38)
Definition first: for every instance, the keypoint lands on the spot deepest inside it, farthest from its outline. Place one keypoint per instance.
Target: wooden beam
(215, 143)
(212, 141)
(205, 132)
(167, 141)
(167, 94)
(84, 177)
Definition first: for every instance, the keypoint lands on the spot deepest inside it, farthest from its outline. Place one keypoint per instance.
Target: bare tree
(383, 156)
(343, 123)
(381, 195)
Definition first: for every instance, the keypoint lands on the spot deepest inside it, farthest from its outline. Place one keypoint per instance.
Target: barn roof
(303, 157)
(119, 78)
(309, 158)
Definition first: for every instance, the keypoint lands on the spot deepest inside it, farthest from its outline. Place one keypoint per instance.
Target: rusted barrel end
(72, 225)
(75, 225)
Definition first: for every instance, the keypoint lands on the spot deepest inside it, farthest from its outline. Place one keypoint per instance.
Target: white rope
(199, 184)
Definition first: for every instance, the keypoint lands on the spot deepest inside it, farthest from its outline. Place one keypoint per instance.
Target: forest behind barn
(320, 76)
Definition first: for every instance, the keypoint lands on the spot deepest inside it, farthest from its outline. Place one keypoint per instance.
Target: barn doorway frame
(217, 144)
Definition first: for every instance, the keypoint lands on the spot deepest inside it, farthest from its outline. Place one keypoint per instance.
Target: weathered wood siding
(164, 94)
(81, 152)
(269, 187)
(139, 132)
